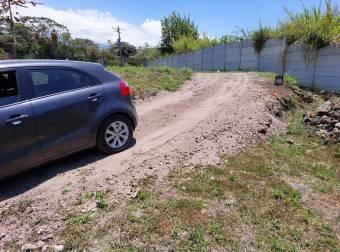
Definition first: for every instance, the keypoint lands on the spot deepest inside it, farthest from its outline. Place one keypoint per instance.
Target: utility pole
(119, 42)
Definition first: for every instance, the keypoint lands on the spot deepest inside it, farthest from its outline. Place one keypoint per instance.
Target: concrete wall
(271, 56)
(313, 69)
(233, 59)
(249, 57)
(327, 71)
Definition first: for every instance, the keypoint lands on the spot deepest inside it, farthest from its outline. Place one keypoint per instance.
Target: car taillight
(124, 88)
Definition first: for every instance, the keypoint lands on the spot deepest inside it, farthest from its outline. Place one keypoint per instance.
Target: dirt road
(213, 114)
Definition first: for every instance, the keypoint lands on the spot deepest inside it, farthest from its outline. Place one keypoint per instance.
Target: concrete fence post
(284, 52)
(213, 59)
(240, 63)
(225, 57)
(193, 60)
(315, 54)
(202, 60)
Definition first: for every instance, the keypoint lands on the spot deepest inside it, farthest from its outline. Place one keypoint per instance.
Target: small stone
(324, 109)
(40, 244)
(58, 247)
(336, 106)
(134, 195)
(46, 237)
(28, 247)
(337, 125)
(290, 141)
(263, 131)
(183, 188)
(45, 248)
(315, 121)
(308, 97)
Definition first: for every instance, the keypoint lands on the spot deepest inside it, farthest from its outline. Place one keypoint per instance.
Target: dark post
(120, 47)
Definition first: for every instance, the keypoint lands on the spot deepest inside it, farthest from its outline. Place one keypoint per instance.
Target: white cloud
(98, 26)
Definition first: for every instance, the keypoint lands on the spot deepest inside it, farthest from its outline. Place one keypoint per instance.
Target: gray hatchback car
(49, 109)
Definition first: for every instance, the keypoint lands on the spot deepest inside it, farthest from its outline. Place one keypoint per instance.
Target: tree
(143, 55)
(8, 18)
(174, 27)
(128, 50)
(189, 44)
(46, 36)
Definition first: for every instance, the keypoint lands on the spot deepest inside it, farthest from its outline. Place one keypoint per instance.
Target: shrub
(189, 44)
(2, 53)
(260, 37)
(312, 27)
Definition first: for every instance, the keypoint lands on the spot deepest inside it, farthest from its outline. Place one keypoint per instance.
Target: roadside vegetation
(315, 27)
(280, 195)
(148, 81)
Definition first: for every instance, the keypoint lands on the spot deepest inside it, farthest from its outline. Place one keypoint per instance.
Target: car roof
(94, 69)
(40, 62)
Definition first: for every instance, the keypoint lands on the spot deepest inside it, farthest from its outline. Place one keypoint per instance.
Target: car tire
(115, 134)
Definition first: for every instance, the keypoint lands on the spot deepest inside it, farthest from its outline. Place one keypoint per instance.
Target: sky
(140, 19)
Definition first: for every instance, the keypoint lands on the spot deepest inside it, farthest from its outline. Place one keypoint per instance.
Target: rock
(58, 247)
(40, 244)
(315, 121)
(336, 115)
(324, 109)
(28, 247)
(45, 248)
(46, 237)
(308, 97)
(336, 106)
(337, 125)
(325, 120)
(263, 130)
(134, 195)
(290, 141)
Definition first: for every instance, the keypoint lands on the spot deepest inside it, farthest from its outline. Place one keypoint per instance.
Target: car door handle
(94, 97)
(16, 119)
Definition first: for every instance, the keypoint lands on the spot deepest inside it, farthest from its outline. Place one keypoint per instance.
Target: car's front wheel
(115, 134)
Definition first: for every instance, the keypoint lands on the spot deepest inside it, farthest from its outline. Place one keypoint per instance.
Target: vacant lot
(212, 169)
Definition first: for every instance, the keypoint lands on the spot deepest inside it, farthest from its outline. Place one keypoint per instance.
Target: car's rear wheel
(115, 134)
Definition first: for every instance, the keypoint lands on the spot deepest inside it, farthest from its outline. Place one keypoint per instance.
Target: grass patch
(244, 203)
(24, 204)
(148, 81)
(78, 219)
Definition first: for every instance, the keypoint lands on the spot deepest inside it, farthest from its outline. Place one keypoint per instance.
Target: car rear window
(51, 81)
(9, 91)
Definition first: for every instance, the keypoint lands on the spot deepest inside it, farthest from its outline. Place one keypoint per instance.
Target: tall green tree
(174, 27)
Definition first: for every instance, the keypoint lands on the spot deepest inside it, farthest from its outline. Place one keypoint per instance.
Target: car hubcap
(117, 134)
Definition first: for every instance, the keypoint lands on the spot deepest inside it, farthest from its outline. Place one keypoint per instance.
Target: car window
(51, 81)
(9, 91)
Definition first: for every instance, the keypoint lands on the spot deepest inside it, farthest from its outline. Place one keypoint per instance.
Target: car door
(19, 146)
(66, 103)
